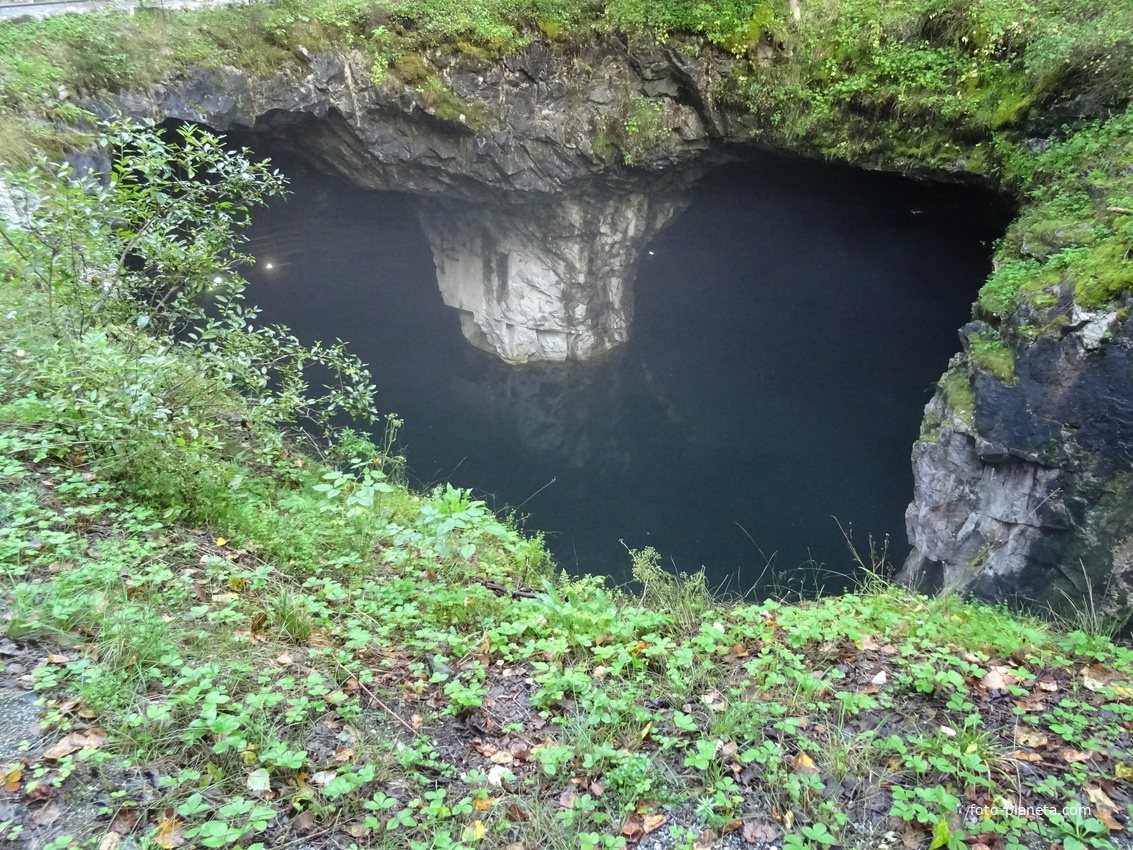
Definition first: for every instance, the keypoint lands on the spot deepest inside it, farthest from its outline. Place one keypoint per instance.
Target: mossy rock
(411, 68)
(960, 395)
(989, 353)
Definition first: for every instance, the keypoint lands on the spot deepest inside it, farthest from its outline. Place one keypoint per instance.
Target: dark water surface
(789, 328)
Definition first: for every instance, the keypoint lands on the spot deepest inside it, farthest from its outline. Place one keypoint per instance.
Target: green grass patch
(961, 397)
(989, 353)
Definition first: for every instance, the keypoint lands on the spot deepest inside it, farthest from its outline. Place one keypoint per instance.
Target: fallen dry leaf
(754, 832)
(58, 659)
(319, 640)
(1097, 677)
(633, 829)
(110, 841)
(705, 840)
(1019, 755)
(1030, 737)
(323, 778)
(76, 741)
(123, 823)
(1108, 819)
(38, 793)
(1072, 756)
(869, 644)
(1101, 800)
(482, 804)
(804, 764)
(305, 822)
(912, 837)
(998, 679)
(652, 823)
(47, 815)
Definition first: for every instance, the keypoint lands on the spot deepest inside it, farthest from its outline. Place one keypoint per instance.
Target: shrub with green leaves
(138, 271)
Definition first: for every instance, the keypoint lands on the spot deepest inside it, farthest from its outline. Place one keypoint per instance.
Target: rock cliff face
(1023, 488)
(535, 220)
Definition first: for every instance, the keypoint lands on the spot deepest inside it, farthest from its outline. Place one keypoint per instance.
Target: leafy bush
(155, 366)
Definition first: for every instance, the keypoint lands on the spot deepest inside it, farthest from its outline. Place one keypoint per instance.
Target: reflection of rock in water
(567, 415)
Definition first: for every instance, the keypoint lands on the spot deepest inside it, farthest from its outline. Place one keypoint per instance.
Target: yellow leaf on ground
(1124, 771)
(474, 832)
(1107, 819)
(1102, 803)
(220, 541)
(1030, 737)
(652, 823)
(482, 804)
(76, 741)
(169, 833)
(804, 764)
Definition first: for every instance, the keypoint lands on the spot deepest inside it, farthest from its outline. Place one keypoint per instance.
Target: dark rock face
(1031, 500)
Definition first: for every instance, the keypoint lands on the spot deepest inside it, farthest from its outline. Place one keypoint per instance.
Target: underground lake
(789, 327)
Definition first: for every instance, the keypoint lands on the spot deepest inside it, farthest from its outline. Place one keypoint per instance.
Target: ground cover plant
(245, 631)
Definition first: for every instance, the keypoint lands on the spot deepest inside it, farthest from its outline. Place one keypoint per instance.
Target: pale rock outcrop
(548, 281)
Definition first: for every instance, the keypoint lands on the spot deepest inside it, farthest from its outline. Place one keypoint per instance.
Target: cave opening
(788, 329)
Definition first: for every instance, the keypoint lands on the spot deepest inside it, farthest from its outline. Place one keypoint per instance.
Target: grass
(606, 711)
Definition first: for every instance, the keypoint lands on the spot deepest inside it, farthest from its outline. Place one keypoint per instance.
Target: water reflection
(789, 328)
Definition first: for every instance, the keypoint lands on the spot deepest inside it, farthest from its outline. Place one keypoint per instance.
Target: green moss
(997, 296)
(411, 68)
(552, 30)
(989, 353)
(1110, 273)
(960, 395)
(447, 105)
